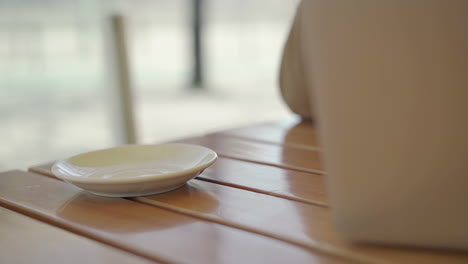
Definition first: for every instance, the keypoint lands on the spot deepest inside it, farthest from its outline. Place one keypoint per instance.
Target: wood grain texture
(294, 222)
(26, 240)
(292, 133)
(287, 157)
(147, 231)
(289, 184)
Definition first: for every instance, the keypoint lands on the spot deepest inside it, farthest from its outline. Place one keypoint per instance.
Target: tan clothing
(294, 89)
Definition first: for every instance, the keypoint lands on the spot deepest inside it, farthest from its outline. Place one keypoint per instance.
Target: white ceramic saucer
(135, 170)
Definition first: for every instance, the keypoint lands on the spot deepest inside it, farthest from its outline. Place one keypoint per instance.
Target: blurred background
(195, 66)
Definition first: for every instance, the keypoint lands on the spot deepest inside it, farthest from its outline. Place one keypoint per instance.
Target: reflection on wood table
(264, 201)
(23, 241)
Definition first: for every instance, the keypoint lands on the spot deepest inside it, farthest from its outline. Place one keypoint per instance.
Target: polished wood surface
(22, 240)
(289, 184)
(307, 225)
(144, 230)
(291, 133)
(287, 157)
(264, 201)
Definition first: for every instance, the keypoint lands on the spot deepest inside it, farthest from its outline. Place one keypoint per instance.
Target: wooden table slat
(289, 184)
(299, 135)
(307, 225)
(265, 163)
(287, 157)
(144, 230)
(26, 240)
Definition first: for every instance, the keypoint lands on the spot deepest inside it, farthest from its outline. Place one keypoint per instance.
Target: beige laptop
(391, 88)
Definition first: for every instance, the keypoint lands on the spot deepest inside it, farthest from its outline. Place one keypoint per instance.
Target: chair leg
(119, 39)
(197, 81)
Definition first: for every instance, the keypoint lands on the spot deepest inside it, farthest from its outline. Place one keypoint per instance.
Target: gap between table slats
(214, 219)
(307, 201)
(318, 246)
(284, 157)
(362, 254)
(24, 211)
(22, 234)
(32, 210)
(288, 167)
(293, 145)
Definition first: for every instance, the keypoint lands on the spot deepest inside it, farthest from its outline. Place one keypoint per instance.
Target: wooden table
(263, 201)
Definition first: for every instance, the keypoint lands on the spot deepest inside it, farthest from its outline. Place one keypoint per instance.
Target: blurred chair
(121, 74)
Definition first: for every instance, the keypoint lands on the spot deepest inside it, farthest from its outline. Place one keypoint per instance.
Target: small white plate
(135, 170)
